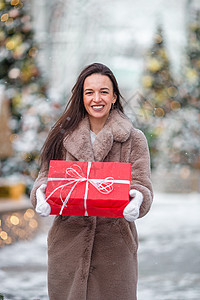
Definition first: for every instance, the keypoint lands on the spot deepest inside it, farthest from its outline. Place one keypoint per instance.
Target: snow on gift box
(83, 188)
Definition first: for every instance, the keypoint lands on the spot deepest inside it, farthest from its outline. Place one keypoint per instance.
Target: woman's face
(98, 96)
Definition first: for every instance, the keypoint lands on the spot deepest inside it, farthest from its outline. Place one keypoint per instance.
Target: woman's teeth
(97, 107)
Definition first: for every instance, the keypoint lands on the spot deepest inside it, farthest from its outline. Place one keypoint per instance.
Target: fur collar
(78, 143)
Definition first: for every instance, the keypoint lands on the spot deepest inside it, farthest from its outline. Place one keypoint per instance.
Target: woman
(95, 258)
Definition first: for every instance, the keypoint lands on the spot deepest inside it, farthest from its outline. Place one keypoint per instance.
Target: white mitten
(132, 210)
(42, 208)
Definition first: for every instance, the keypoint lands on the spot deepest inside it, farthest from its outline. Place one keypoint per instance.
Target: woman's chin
(98, 115)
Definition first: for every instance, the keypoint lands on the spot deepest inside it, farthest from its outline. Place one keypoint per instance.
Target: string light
(16, 226)
(4, 17)
(175, 105)
(14, 2)
(32, 52)
(147, 81)
(10, 45)
(158, 38)
(172, 91)
(159, 112)
(14, 220)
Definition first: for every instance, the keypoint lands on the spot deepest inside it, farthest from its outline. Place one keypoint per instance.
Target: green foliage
(1, 297)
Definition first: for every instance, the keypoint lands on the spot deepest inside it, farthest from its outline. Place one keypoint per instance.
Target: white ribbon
(104, 186)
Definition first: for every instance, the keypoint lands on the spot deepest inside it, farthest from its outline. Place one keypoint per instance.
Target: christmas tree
(159, 88)
(30, 110)
(179, 144)
(159, 92)
(191, 75)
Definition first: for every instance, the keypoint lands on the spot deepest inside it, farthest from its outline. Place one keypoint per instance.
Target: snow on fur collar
(78, 143)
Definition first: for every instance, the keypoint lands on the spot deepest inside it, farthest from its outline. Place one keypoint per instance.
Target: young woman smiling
(95, 258)
(98, 98)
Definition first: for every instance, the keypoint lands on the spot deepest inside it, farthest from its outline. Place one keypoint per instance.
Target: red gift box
(81, 188)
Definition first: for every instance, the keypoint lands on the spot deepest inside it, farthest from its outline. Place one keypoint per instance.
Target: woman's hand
(132, 210)
(42, 208)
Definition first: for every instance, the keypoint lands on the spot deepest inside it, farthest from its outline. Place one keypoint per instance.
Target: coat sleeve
(42, 178)
(140, 170)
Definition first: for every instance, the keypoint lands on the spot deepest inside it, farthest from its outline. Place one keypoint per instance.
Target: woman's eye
(88, 93)
(104, 92)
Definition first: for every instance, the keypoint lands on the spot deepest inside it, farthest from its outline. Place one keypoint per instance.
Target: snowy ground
(169, 255)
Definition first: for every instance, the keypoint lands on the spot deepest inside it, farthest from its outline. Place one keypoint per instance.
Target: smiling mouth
(97, 107)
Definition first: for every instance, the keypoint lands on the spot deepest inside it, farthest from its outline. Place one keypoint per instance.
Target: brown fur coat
(95, 258)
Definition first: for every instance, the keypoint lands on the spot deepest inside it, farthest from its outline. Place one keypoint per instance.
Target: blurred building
(72, 34)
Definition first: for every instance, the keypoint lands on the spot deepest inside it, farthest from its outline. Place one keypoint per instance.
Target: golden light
(20, 225)
(14, 220)
(162, 53)
(4, 17)
(175, 105)
(172, 91)
(160, 96)
(154, 65)
(3, 235)
(32, 52)
(19, 51)
(158, 38)
(14, 2)
(159, 112)
(28, 157)
(10, 45)
(29, 213)
(20, 5)
(192, 75)
(14, 41)
(26, 74)
(33, 223)
(17, 99)
(147, 81)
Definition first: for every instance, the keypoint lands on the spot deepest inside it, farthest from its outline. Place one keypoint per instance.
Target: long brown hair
(74, 113)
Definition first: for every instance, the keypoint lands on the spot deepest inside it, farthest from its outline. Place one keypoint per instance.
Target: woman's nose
(97, 97)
